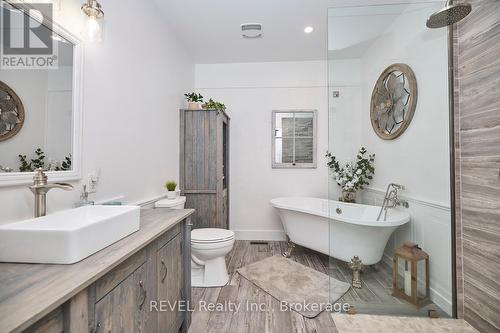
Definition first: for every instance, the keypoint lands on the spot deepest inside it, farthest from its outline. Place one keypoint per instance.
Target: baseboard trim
(438, 298)
(267, 235)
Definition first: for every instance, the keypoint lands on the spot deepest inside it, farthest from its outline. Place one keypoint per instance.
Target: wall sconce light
(93, 27)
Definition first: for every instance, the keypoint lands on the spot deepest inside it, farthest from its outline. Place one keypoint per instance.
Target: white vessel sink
(68, 236)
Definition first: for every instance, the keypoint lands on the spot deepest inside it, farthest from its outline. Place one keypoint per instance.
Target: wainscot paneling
(430, 228)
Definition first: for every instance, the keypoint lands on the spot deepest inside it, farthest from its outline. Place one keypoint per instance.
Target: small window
(294, 139)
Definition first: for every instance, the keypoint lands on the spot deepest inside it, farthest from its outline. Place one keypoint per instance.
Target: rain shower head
(450, 14)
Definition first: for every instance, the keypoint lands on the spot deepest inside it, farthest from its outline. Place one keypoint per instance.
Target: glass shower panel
(363, 43)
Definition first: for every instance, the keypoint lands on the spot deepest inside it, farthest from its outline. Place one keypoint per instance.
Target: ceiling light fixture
(93, 27)
(308, 29)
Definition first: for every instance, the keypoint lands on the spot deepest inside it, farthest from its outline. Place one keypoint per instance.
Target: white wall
(419, 159)
(31, 87)
(46, 97)
(345, 112)
(426, 139)
(133, 86)
(251, 91)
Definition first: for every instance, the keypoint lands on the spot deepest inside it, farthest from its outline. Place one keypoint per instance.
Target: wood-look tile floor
(374, 297)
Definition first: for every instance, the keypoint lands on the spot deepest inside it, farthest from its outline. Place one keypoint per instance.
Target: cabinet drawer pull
(97, 328)
(166, 271)
(144, 293)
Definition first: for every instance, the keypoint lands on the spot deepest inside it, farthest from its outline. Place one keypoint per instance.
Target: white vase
(171, 194)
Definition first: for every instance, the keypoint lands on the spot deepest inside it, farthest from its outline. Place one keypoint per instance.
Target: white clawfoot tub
(340, 230)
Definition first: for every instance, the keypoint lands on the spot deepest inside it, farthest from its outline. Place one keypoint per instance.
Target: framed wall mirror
(294, 139)
(40, 107)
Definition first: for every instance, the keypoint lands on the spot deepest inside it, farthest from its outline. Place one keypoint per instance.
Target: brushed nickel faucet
(391, 200)
(40, 188)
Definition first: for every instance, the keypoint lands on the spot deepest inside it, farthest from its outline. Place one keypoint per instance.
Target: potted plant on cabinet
(214, 105)
(352, 176)
(171, 186)
(194, 100)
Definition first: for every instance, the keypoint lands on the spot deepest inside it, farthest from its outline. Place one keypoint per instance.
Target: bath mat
(303, 289)
(360, 323)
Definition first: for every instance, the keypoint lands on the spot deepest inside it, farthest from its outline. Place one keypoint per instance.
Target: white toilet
(177, 203)
(209, 247)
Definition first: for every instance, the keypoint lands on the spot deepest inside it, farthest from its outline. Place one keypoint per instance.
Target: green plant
(25, 166)
(214, 105)
(39, 162)
(353, 176)
(171, 185)
(194, 97)
(65, 165)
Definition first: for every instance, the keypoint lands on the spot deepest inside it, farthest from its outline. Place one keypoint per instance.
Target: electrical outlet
(92, 182)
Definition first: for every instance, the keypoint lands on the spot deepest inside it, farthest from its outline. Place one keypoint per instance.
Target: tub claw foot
(356, 265)
(289, 249)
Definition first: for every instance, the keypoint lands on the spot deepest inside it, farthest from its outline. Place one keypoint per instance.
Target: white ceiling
(210, 29)
(353, 30)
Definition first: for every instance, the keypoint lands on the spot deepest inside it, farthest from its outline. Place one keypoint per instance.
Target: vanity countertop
(30, 291)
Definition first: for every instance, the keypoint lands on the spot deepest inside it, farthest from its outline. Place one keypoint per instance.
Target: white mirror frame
(22, 178)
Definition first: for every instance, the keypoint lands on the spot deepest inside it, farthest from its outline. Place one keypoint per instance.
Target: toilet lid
(167, 203)
(211, 235)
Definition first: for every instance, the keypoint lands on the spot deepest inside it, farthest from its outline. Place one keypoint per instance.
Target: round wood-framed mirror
(393, 102)
(11, 112)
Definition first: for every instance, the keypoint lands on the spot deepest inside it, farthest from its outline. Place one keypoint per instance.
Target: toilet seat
(209, 247)
(211, 236)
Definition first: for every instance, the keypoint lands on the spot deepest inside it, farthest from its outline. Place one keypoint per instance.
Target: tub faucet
(40, 188)
(391, 200)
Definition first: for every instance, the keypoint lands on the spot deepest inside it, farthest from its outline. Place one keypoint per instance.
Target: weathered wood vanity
(126, 287)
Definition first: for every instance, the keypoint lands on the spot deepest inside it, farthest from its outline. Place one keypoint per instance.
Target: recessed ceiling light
(308, 30)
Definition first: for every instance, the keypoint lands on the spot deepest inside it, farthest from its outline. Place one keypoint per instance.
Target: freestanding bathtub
(337, 229)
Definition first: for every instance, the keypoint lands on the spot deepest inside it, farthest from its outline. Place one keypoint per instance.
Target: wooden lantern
(411, 254)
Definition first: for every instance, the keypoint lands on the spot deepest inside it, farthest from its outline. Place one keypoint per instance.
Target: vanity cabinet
(125, 308)
(144, 293)
(169, 281)
(123, 297)
(204, 166)
(52, 323)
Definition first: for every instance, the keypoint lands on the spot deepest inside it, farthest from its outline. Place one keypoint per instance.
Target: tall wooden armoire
(204, 166)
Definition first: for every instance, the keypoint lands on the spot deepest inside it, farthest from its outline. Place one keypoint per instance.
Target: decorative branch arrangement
(353, 175)
(39, 162)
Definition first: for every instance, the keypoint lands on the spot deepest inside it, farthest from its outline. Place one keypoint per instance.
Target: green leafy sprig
(353, 176)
